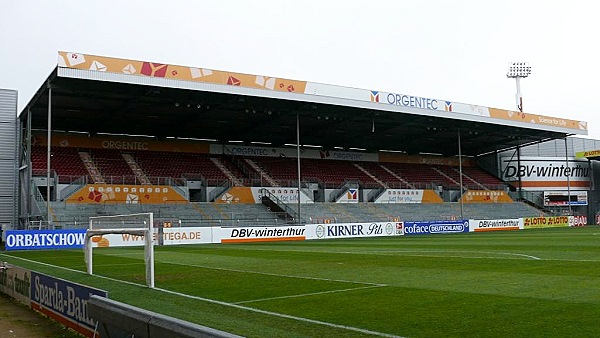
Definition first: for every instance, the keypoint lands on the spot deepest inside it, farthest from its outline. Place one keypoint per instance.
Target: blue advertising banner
(44, 239)
(436, 227)
(63, 301)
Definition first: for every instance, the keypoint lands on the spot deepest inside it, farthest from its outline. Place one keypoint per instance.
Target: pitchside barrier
(75, 238)
(116, 319)
(63, 301)
(89, 311)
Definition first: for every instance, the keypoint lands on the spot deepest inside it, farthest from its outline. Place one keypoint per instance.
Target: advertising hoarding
(259, 234)
(478, 225)
(16, 282)
(64, 301)
(436, 227)
(44, 239)
(353, 230)
(546, 173)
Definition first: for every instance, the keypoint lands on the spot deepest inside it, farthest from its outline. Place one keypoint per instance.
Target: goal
(141, 224)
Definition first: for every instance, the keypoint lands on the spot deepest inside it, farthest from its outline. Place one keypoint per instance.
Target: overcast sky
(453, 50)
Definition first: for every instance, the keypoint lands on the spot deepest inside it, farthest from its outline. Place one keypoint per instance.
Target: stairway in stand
(371, 176)
(263, 174)
(139, 173)
(227, 172)
(91, 167)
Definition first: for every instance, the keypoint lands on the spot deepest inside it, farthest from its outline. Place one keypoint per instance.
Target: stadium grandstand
(201, 147)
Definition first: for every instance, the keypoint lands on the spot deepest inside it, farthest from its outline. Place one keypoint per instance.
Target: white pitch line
(399, 252)
(271, 274)
(237, 306)
(282, 315)
(308, 294)
(480, 252)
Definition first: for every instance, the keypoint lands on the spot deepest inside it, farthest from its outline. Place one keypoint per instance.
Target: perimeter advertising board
(436, 227)
(577, 221)
(478, 225)
(169, 236)
(259, 234)
(547, 173)
(352, 230)
(64, 301)
(16, 282)
(546, 222)
(44, 239)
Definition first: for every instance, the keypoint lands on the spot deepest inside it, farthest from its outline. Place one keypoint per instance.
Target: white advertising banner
(477, 225)
(16, 282)
(170, 236)
(352, 230)
(259, 234)
(577, 221)
(401, 196)
(547, 173)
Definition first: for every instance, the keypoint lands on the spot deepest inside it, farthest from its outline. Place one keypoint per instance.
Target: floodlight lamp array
(518, 69)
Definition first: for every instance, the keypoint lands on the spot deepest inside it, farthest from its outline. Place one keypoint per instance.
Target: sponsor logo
(61, 299)
(546, 221)
(44, 239)
(133, 145)
(498, 224)
(412, 101)
(577, 221)
(399, 228)
(415, 228)
(448, 106)
(266, 232)
(550, 171)
(389, 229)
(374, 96)
(320, 231)
(352, 194)
(12, 284)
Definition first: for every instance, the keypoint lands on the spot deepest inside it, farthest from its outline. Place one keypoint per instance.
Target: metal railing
(288, 212)
(73, 187)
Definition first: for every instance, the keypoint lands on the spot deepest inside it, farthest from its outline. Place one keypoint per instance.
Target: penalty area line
(308, 294)
(282, 315)
(269, 273)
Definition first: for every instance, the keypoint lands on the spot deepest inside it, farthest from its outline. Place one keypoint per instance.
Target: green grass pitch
(531, 283)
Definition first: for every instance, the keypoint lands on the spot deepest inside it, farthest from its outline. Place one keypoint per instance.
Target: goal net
(141, 224)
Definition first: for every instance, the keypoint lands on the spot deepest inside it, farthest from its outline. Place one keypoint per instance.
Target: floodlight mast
(518, 70)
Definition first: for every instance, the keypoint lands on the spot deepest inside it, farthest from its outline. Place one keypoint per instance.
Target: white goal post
(141, 224)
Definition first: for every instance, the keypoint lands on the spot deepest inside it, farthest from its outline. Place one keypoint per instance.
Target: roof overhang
(97, 102)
